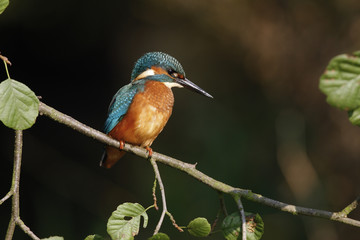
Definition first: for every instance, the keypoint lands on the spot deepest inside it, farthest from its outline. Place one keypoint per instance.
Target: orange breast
(147, 115)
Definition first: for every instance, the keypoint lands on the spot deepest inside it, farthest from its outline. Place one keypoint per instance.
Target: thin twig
(154, 194)
(15, 210)
(213, 225)
(192, 171)
(11, 229)
(14, 192)
(26, 229)
(6, 197)
(172, 219)
(222, 203)
(222, 209)
(349, 208)
(242, 215)
(162, 190)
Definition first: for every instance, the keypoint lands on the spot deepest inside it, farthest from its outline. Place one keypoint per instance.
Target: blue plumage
(156, 59)
(121, 102)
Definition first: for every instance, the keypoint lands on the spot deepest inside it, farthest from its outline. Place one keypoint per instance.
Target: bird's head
(158, 66)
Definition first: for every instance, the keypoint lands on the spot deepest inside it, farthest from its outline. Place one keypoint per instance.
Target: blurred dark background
(268, 127)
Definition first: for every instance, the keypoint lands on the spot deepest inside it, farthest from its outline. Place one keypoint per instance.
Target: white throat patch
(172, 84)
(148, 72)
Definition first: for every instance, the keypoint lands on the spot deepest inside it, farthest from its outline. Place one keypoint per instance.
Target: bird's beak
(186, 83)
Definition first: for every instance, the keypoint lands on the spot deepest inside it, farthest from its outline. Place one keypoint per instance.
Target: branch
(14, 192)
(6, 197)
(192, 171)
(154, 194)
(351, 207)
(222, 204)
(242, 215)
(222, 210)
(162, 190)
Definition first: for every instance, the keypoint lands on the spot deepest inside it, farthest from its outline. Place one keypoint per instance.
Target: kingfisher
(139, 110)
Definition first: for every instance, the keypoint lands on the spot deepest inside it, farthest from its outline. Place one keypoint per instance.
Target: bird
(139, 110)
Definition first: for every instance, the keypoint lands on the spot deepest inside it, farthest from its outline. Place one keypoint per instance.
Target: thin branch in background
(222, 209)
(14, 192)
(192, 171)
(242, 216)
(222, 203)
(15, 184)
(213, 225)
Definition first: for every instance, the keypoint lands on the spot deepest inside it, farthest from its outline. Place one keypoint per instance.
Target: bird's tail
(110, 156)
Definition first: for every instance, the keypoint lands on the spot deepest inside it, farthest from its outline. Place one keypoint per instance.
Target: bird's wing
(120, 104)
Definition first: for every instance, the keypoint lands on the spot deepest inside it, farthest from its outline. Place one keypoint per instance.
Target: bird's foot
(150, 151)
(122, 144)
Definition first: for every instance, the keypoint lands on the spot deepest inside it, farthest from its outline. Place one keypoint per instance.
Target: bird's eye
(173, 73)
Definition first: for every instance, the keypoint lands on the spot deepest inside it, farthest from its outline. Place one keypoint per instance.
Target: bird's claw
(150, 151)
(122, 144)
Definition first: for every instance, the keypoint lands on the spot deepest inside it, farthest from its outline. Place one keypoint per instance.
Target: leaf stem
(149, 208)
(6, 62)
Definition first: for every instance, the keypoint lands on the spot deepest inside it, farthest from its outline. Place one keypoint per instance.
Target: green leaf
(19, 106)
(160, 236)
(124, 222)
(53, 238)
(341, 81)
(3, 5)
(354, 116)
(94, 237)
(199, 227)
(231, 226)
